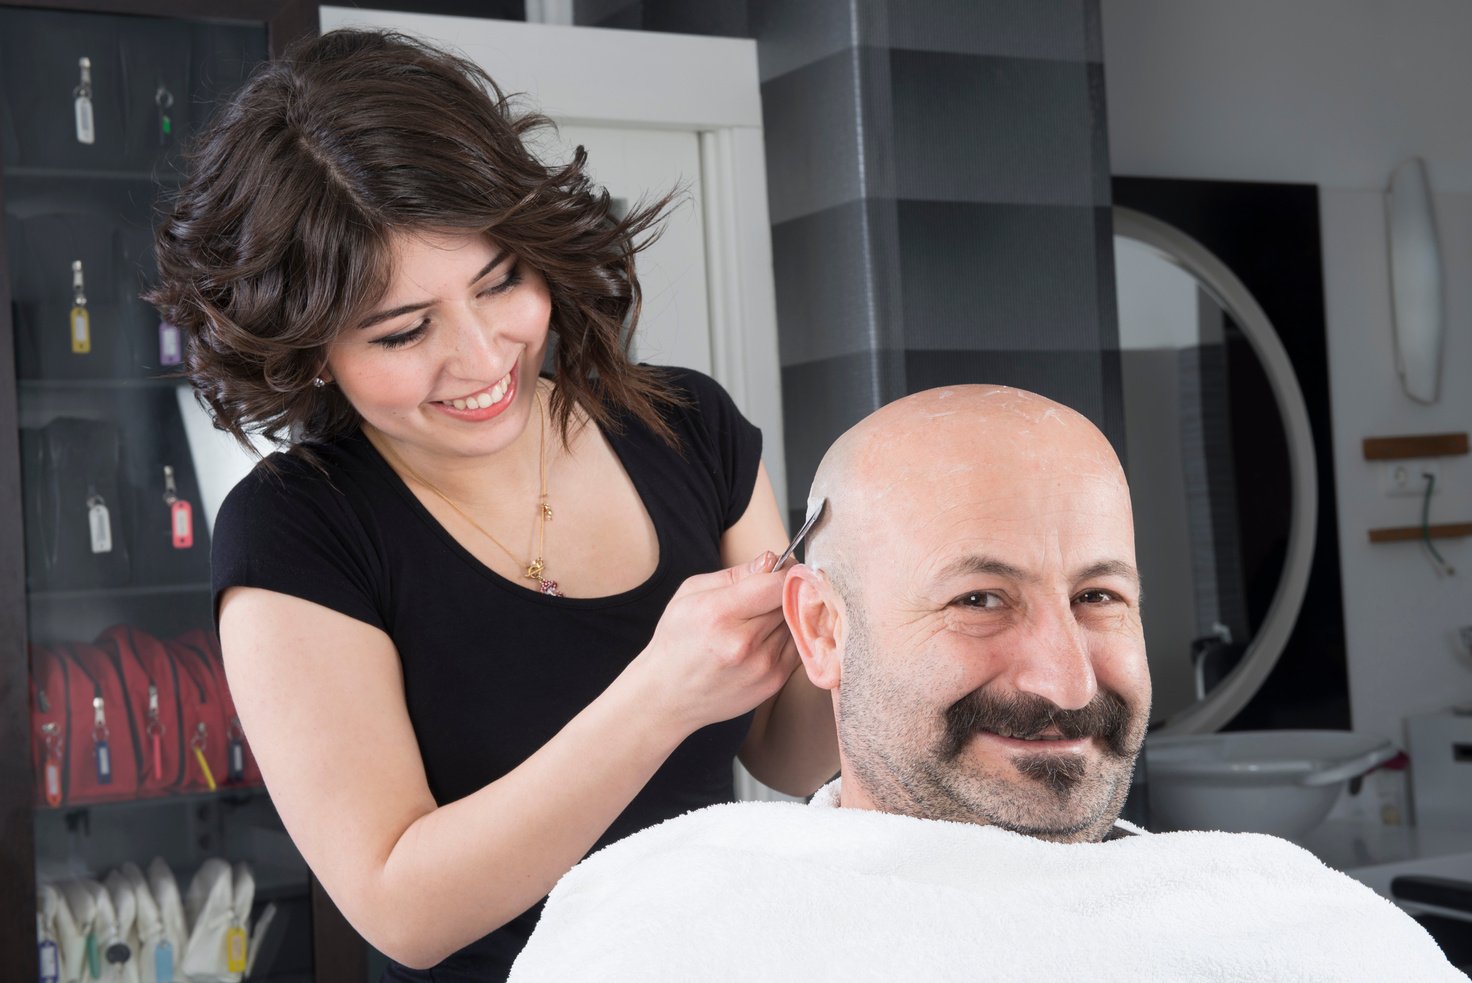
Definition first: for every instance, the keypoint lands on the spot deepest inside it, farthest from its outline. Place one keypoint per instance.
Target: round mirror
(1220, 460)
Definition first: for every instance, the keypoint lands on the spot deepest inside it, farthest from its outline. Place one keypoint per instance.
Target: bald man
(970, 600)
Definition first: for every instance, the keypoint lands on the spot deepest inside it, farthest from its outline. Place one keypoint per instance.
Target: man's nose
(1051, 657)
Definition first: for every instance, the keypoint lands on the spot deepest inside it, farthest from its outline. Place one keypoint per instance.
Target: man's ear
(811, 607)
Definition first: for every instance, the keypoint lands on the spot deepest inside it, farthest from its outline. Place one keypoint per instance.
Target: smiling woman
(480, 616)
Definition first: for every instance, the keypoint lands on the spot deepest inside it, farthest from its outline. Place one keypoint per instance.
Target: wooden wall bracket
(1415, 445)
(1405, 534)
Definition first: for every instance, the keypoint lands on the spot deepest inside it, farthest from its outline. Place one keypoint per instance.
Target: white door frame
(708, 86)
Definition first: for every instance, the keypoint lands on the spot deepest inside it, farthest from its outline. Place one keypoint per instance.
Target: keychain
(235, 743)
(181, 514)
(83, 101)
(170, 347)
(99, 742)
(163, 99)
(94, 956)
(99, 523)
(81, 321)
(51, 740)
(155, 730)
(235, 949)
(163, 962)
(197, 742)
(49, 960)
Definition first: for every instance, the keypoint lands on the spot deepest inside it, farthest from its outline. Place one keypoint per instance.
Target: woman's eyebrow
(379, 317)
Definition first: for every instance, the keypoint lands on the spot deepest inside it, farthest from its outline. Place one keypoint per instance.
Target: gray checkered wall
(939, 196)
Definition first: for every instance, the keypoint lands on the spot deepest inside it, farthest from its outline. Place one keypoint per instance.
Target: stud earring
(318, 382)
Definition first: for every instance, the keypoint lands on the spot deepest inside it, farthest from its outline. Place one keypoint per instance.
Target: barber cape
(781, 891)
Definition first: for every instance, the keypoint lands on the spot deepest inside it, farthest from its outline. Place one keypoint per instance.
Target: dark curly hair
(280, 234)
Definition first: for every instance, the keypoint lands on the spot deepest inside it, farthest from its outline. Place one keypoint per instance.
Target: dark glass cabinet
(123, 772)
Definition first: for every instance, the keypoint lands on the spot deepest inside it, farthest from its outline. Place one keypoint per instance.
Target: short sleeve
(294, 532)
(732, 444)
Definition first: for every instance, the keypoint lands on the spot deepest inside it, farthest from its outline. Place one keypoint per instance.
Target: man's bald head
(971, 600)
(885, 463)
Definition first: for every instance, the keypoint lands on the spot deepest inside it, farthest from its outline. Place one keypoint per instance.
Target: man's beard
(906, 768)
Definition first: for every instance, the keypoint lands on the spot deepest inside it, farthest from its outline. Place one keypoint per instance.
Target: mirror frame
(1262, 653)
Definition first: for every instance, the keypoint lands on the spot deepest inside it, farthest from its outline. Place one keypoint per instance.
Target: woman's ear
(813, 614)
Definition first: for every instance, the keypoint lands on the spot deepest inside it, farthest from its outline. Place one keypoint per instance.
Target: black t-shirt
(493, 670)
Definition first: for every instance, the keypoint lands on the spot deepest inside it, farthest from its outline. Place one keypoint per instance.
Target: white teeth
(481, 400)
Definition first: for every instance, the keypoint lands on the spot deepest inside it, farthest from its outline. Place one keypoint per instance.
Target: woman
(478, 622)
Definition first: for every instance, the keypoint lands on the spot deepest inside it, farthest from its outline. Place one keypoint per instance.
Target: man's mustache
(1107, 717)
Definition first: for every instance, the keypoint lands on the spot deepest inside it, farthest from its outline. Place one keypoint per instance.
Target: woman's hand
(721, 647)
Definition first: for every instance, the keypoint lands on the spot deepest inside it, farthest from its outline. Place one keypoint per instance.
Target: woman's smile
(483, 405)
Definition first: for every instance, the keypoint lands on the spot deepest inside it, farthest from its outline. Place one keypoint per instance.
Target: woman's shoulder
(691, 384)
(700, 404)
(317, 478)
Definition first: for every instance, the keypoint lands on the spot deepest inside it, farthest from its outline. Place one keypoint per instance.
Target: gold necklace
(544, 511)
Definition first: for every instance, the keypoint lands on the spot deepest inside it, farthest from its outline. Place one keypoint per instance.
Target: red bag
(240, 764)
(101, 752)
(204, 714)
(49, 713)
(152, 683)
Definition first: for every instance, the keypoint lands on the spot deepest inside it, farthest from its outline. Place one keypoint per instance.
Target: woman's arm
(793, 745)
(321, 697)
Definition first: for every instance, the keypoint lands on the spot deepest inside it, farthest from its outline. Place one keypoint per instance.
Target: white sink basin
(1273, 781)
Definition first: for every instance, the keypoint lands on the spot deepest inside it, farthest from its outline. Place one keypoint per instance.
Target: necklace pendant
(548, 587)
(546, 511)
(534, 569)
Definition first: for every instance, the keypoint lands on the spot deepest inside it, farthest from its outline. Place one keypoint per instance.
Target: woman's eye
(402, 338)
(980, 599)
(511, 279)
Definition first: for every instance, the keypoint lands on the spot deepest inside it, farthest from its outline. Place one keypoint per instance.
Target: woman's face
(445, 366)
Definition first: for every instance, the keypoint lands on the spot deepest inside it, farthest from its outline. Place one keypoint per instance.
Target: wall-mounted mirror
(1221, 462)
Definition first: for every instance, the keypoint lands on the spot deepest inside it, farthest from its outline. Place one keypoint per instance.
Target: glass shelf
(224, 794)
(61, 385)
(135, 590)
(89, 174)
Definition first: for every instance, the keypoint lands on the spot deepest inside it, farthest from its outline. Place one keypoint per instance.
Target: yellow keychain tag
(81, 321)
(235, 950)
(204, 766)
(81, 331)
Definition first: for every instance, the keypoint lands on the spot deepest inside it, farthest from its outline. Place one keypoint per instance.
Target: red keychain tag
(181, 520)
(51, 737)
(181, 514)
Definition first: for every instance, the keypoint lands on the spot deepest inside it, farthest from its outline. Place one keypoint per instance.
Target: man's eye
(1097, 597)
(980, 599)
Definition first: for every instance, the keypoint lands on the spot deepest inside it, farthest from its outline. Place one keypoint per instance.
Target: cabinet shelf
(100, 593)
(67, 385)
(90, 174)
(225, 793)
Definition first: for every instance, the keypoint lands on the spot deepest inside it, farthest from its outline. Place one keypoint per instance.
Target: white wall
(1337, 93)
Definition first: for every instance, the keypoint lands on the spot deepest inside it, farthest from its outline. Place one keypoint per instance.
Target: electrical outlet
(1409, 477)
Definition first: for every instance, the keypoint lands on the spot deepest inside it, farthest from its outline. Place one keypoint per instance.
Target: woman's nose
(474, 349)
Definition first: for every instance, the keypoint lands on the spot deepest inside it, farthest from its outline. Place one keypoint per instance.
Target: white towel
(165, 891)
(781, 891)
(149, 926)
